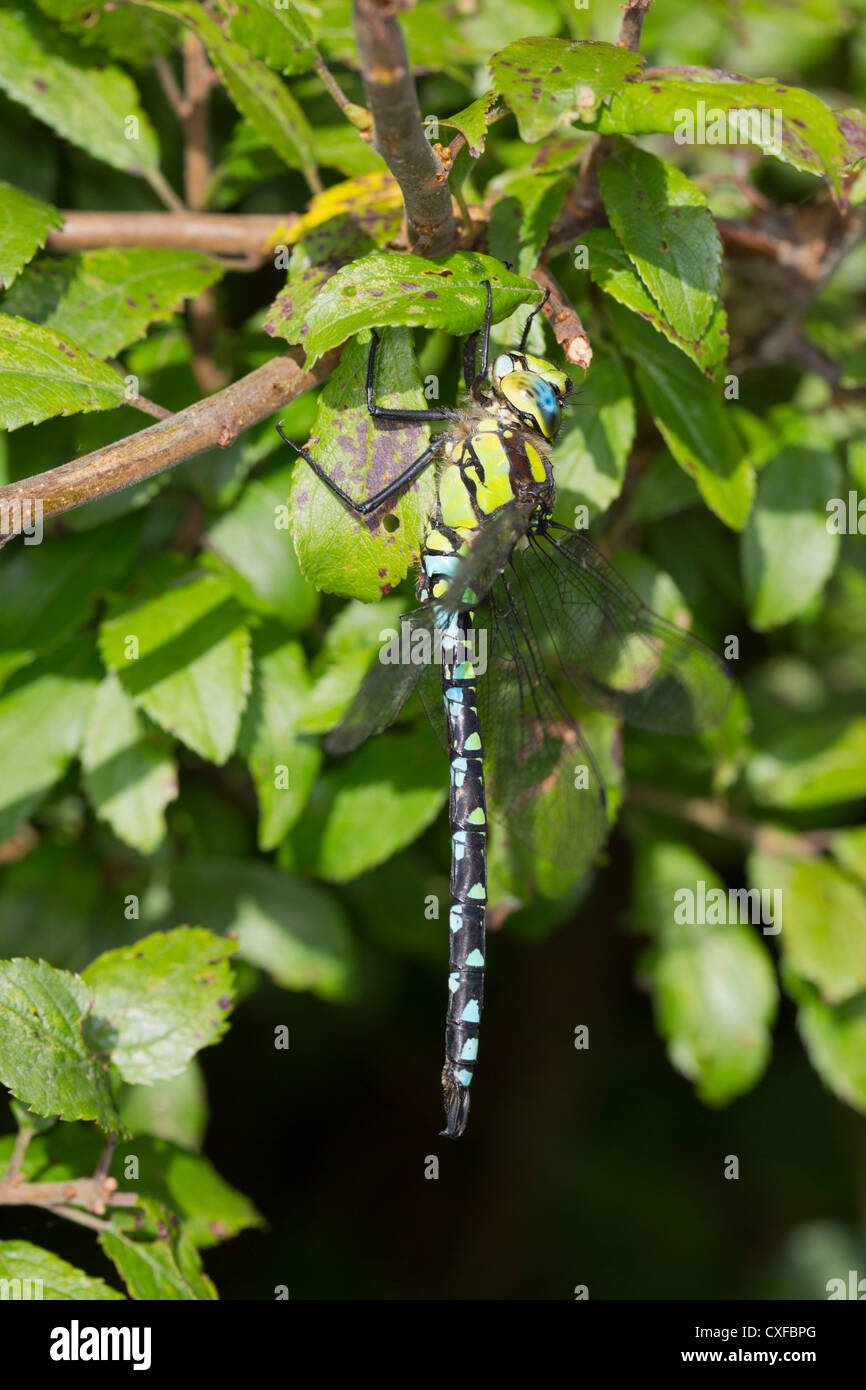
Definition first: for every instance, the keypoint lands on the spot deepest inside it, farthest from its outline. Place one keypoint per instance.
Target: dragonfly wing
(541, 780)
(489, 551)
(387, 685)
(617, 653)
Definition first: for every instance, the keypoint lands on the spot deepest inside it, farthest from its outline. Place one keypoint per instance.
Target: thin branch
(148, 407)
(174, 96)
(398, 133)
(632, 24)
(196, 177)
(221, 234)
(164, 191)
(564, 320)
(22, 1143)
(358, 115)
(214, 422)
(94, 1194)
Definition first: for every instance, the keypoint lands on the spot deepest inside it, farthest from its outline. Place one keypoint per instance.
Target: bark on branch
(214, 422)
(398, 134)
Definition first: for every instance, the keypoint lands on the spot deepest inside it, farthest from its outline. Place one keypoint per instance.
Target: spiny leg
(386, 494)
(485, 340)
(526, 327)
(381, 412)
(468, 887)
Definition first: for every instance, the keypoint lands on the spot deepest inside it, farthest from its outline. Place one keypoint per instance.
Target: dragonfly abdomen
(468, 887)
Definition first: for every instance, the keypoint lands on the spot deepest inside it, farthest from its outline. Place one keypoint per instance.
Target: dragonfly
(556, 618)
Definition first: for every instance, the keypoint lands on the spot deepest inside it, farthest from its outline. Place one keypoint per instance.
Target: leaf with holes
(550, 83)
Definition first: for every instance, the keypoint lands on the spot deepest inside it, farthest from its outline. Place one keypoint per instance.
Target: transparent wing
(386, 687)
(617, 653)
(541, 779)
(489, 551)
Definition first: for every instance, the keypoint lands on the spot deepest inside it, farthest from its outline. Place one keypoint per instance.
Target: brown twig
(225, 234)
(564, 320)
(715, 817)
(214, 422)
(201, 311)
(632, 24)
(398, 134)
(94, 1194)
(174, 96)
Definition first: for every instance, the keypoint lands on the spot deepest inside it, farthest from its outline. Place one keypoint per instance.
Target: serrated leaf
(128, 774)
(256, 91)
(789, 518)
(283, 763)
(338, 553)
(668, 233)
(295, 931)
(473, 122)
(25, 1268)
(260, 553)
(613, 272)
(391, 288)
(44, 1059)
(593, 447)
(685, 103)
(41, 374)
(105, 299)
(524, 211)
(550, 83)
(376, 801)
(190, 670)
(168, 1269)
(43, 711)
(279, 35)
(692, 419)
(823, 921)
(90, 103)
(714, 987)
(156, 1003)
(25, 222)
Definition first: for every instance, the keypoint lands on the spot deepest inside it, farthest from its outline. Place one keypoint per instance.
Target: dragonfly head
(534, 390)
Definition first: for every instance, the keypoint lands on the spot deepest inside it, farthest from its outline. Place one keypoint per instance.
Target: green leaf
(168, 1268)
(43, 712)
(295, 931)
(284, 765)
(351, 642)
(848, 848)
(90, 103)
(24, 1268)
(44, 1059)
(184, 658)
(391, 288)
(549, 83)
(336, 551)
(158, 1002)
(823, 936)
(668, 233)
(789, 518)
(25, 222)
(104, 300)
(611, 269)
(260, 554)
(692, 418)
(210, 1210)
(256, 91)
(685, 103)
(377, 800)
(47, 592)
(593, 448)
(835, 1039)
(525, 209)
(316, 257)
(175, 1109)
(473, 122)
(809, 763)
(41, 374)
(714, 987)
(279, 35)
(128, 774)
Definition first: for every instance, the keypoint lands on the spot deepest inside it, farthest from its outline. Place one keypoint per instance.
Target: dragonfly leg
(485, 341)
(526, 327)
(386, 494)
(381, 412)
